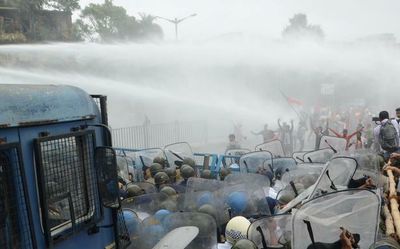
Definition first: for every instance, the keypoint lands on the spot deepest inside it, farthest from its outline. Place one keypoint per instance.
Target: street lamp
(176, 21)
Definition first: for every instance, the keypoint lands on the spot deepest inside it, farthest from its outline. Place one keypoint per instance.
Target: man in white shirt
(384, 118)
(398, 115)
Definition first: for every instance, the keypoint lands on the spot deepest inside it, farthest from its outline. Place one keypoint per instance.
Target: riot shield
(144, 159)
(299, 156)
(177, 152)
(123, 171)
(232, 156)
(148, 188)
(246, 195)
(253, 180)
(207, 230)
(281, 165)
(205, 195)
(354, 213)
(368, 167)
(319, 156)
(273, 146)
(149, 204)
(259, 162)
(295, 184)
(305, 177)
(335, 176)
(200, 184)
(336, 144)
(271, 232)
(310, 165)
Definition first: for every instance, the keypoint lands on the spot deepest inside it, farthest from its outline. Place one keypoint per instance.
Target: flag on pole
(294, 101)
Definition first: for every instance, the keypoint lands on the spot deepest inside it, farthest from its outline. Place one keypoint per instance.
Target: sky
(341, 20)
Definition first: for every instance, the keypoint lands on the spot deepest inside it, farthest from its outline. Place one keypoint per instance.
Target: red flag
(294, 101)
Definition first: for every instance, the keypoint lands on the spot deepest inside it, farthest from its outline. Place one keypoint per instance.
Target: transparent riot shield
(281, 165)
(123, 171)
(337, 144)
(211, 203)
(148, 188)
(319, 156)
(207, 237)
(246, 195)
(201, 235)
(232, 156)
(368, 168)
(355, 213)
(303, 177)
(177, 152)
(144, 159)
(200, 184)
(149, 204)
(132, 171)
(294, 183)
(255, 181)
(273, 146)
(336, 176)
(271, 232)
(259, 162)
(200, 192)
(299, 156)
(310, 165)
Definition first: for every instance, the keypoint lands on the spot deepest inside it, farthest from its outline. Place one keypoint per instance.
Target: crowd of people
(355, 125)
(357, 129)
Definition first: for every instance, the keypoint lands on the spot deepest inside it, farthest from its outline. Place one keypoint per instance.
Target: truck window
(67, 178)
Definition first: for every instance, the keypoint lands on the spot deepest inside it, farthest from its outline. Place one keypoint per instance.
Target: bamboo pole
(394, 205)
(388, 222)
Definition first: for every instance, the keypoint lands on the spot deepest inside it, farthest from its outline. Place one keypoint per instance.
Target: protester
(398, 115)
(318, 131)
(300, 135)
(345, 135)
(286, 136)
(266, 133)
(233, 144)
(387, 134)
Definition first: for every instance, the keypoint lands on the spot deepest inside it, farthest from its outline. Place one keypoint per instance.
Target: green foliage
(299, 28)
(109, 22)
(63, 5)
(12, 38)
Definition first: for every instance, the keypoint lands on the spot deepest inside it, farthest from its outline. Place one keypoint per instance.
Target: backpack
(388, 137)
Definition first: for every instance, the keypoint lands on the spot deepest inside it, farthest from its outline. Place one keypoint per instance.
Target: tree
(109, 22)
(63, 5)
(149, 29)
(299, 28)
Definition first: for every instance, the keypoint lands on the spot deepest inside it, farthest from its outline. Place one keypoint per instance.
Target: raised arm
(335, 132)
(354, 133)
(291, 125)
(279, 124)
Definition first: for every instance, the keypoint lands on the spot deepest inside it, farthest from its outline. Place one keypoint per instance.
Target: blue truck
(57, 170)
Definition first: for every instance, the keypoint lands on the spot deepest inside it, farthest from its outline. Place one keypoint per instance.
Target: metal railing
(159, 135)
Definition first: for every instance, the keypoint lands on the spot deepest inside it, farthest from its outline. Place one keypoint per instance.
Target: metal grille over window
(15, 222)
(69, 196)
(123, 235)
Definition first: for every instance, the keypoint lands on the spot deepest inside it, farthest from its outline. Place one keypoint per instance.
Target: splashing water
(214, 81)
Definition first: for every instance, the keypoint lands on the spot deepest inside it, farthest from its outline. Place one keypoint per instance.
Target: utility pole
(176, 21)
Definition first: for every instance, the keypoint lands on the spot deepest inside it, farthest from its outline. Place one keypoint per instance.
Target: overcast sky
(340, 19)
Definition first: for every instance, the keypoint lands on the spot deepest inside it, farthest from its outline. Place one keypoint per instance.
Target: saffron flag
(294, 101)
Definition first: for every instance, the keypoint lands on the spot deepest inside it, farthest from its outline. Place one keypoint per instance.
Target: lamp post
(176, 21)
